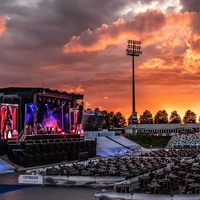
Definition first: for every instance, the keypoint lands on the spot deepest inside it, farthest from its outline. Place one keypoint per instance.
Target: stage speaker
(72, 155)
(82, 156)
(3, 148)
(30, 150)
(80, 113)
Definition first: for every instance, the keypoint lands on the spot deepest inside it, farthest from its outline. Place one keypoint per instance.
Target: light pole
(133, 49)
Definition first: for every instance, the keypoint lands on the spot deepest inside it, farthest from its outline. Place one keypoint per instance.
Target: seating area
(180, 174)
(175, 153)
(128, 167)
(186, 140)
(159, 171)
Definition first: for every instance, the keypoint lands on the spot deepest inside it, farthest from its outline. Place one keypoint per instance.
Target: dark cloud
(35, 34)
(149, 21)
(190, 5)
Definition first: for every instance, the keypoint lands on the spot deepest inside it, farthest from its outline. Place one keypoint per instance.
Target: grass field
(148, 141)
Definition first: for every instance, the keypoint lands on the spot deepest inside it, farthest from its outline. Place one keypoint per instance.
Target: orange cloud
(95, 40)
(174, 43)
(72, 89)
(164, 73)
(154, 63)
(2, 25)
(106, 35)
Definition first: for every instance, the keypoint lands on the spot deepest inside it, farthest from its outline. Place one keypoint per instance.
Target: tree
(119, 120)
(161, 117)
(189, 117)
(130, 120)
(105, 112)
(105, 121)
(112, 120)
(174, 117)
(146, 118)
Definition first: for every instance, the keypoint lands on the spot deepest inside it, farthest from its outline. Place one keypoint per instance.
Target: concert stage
(42, 126)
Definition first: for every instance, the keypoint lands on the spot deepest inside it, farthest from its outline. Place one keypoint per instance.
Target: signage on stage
(30, 179)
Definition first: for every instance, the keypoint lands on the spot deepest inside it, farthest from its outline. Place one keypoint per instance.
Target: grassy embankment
(148, 141)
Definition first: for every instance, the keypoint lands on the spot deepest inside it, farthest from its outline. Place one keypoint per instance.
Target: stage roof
(34, 90)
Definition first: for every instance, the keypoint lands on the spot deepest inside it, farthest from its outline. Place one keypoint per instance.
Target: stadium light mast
(133, 49)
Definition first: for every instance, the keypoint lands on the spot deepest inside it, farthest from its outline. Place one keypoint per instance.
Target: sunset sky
(80, 46)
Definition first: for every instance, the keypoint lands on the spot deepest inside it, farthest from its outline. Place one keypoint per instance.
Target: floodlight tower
(133, 49)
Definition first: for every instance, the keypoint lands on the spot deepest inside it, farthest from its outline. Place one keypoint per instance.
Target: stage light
(9, 135)
(53, 100)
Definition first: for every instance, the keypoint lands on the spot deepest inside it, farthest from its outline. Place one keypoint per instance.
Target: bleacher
(187, 140)
(114, 145)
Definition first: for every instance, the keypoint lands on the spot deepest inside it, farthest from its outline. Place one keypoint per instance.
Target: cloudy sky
(80, 46)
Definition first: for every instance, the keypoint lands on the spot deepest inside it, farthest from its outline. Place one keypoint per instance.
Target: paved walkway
(13, 191)
(169, 144)
(10, 190)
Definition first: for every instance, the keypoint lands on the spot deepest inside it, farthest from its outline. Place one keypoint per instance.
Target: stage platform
(34, 150)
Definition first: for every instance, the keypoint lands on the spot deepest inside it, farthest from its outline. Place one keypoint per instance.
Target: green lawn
(150, 141)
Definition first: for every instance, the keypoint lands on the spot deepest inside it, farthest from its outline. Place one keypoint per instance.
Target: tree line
(110, 120)
(162, 117)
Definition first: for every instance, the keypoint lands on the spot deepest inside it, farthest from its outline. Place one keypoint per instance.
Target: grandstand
(115, 145)
(162, 129)
(187, 140)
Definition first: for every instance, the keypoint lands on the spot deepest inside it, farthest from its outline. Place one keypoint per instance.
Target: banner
(30, 179)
